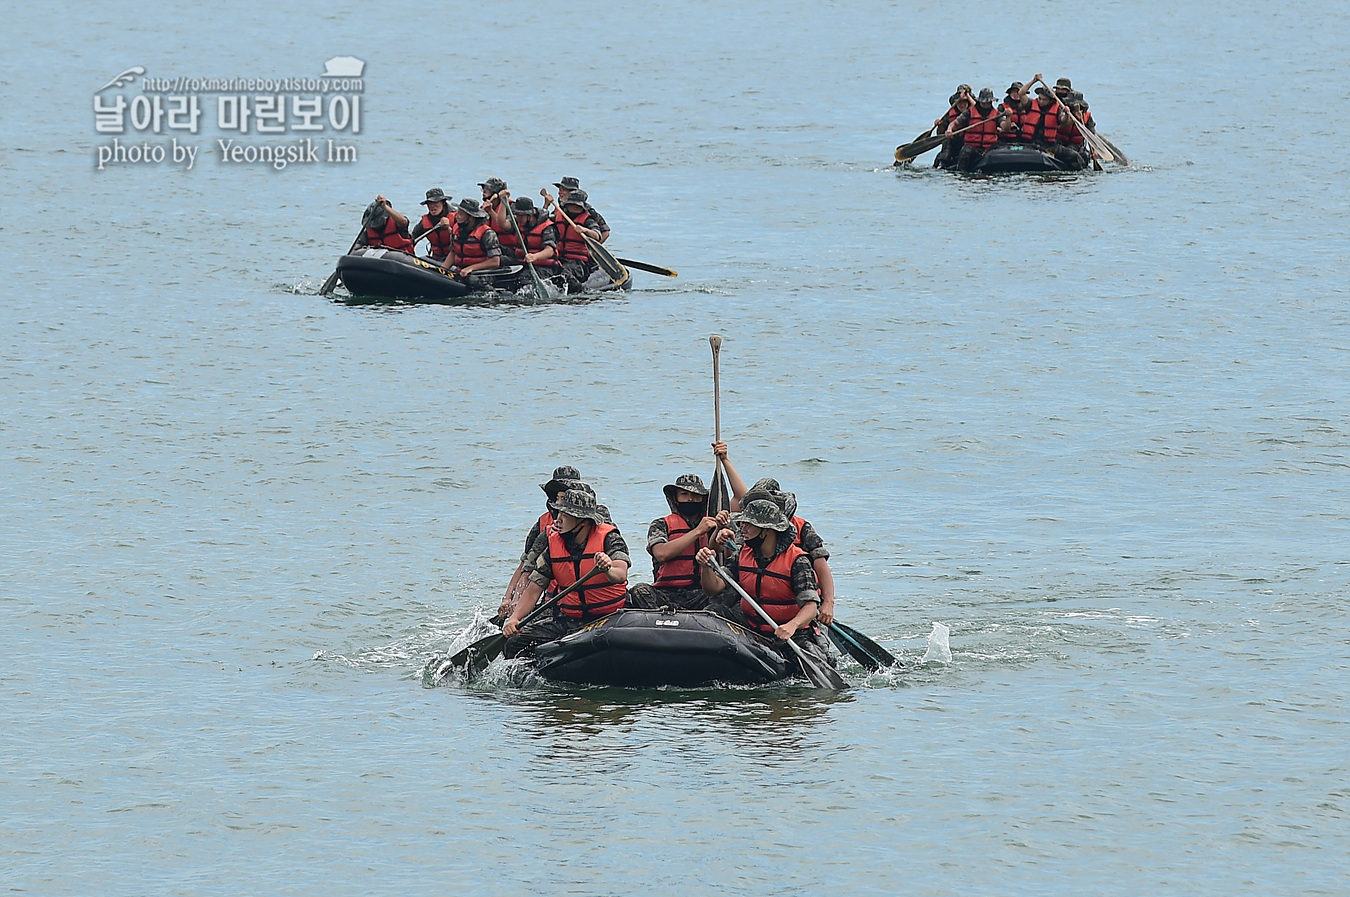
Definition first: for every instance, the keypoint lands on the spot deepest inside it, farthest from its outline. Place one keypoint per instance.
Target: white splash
(939, 646)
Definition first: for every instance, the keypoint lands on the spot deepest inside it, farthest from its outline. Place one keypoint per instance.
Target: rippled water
(1096, 425)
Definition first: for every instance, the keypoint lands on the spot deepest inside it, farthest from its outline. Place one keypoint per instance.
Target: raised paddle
(603, 257)
(540, 292)
(1091, 138)
(477, 656)
(819, 673)
(644, 266)
(718, 499)
(861, 648)
(331, 282)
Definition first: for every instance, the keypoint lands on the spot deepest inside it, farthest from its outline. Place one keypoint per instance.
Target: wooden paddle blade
(877, 653)
(607, 262)
(911, 151)
(1120, 157)
(645, 266)
(328, 285)
(476, 657)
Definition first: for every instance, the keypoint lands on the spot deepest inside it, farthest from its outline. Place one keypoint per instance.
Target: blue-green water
(1096, 426)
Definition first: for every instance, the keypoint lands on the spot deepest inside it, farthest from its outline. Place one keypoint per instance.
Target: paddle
(477, 656)
(911, 151)
(331, 282)
(861, 648)
(428, 232)
(718, 498)
(539, 290)
(603, 257)
(818, 672)
(654, 269)
(1120, 157)
(1093, 141)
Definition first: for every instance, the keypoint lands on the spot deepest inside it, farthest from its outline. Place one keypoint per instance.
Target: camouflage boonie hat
(523, 205)
(561, 474)
(1064, 83)
(604, 514)
(765, 515)
(689, 482)
(470, 207)
(579, 503)
(568, 184)
(563, 486)
(1016, 85)
(577, 197)
(435, 194)
(986, 95)
(375, 215)
(493, 185)
(766, 484)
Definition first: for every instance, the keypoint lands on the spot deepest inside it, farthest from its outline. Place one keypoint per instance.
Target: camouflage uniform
(648, 595)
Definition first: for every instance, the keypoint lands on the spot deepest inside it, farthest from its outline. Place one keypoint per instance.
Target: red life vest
(466, 251)
(545, 521)
(598, 597)
(389, 237)
(571, 245)
(1071, 132)
(679, 572)
(534, 242)
(1014, 118)
(985, 132)
(439, 241)
(800, 524)
(771, 587)
(507, 238)
(1044, 122)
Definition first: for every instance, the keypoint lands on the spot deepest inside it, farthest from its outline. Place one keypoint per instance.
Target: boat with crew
(381, 273)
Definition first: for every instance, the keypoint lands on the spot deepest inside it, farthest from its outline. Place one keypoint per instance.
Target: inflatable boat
(1017, 158)
(390, 274)
(649, 648)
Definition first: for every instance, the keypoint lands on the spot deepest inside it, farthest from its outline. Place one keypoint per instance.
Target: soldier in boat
(774, 571)
(473, 244)
(436, 222)
(564, 477)
(384, 228)
(597, 222)
(581, 541)
(672, 541)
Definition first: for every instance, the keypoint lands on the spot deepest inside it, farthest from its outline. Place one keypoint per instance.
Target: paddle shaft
(539, 291)
(550, 603)
(645, 266)
(716, 342)
(937, 140)
(1091, 137)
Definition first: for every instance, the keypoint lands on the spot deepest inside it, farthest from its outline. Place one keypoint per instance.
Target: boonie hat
(689, 482)
(580, 503)
(577, 197)
(1016, 85)
(765, 515)
(563, 486)
(435, 194)
(561, 475)
(470, 207)
(523, 205)
(1064, 83)
(568, 184)
(986, 95)
(493, 185)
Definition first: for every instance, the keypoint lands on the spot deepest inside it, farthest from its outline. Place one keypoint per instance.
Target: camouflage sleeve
(549, 235)
(617, 548)
(542, 573)
(811, 542)
(491, 245)
(529, 541)
(804, 581)
(658, 533)
(537, 549)
(597, 220)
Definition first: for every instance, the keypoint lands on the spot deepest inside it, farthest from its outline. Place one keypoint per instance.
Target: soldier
(473, 245)
(565, 188)
(983, 135)
(384, 228)
(582, 541)
(573, 252)
(672, 541)
(777, 574)
(437, 221)
(564, 477)
(807, 539)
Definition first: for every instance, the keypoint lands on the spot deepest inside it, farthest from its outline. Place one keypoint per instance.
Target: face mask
(690, 509)
(755, 542)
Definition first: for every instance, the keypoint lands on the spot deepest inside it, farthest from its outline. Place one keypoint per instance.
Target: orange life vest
(770, 586)
(389, 238)
(571, 245)
(598, 597)
(439, 241)
(545, 521)
(1041, 125)
(679, 572)
(507, 239)
(534, 242)
(1071, 132)
(985, 132)
(469, 249)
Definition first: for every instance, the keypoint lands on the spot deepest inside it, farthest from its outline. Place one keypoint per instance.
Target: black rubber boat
(649, 648)
(389, 274)
(1016, 158)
